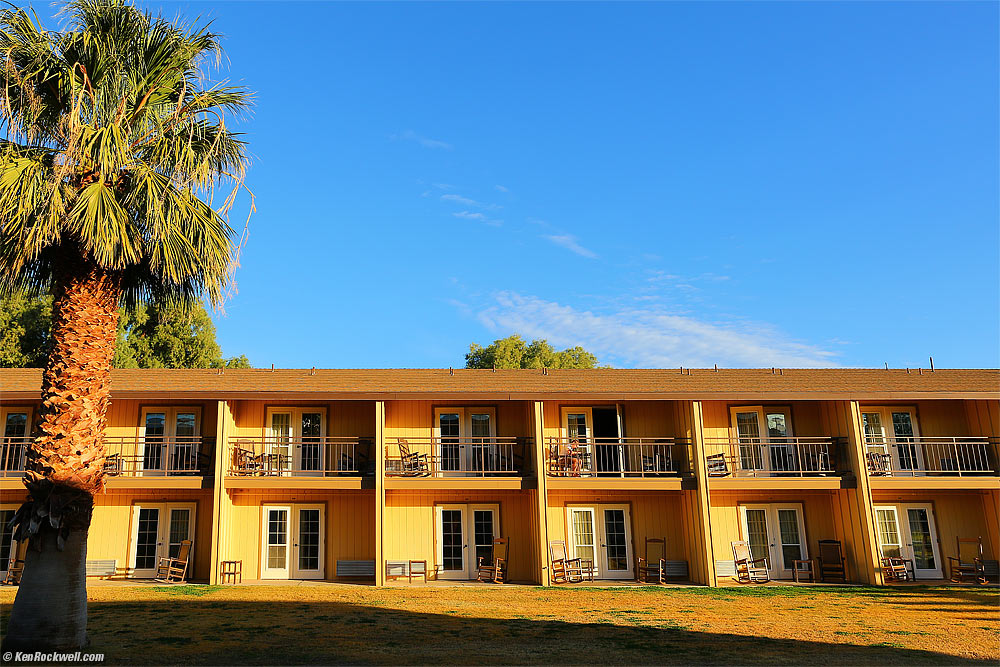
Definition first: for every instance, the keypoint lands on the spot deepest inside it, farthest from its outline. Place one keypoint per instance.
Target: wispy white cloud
(410, 135)
(443, 186)
(502, 188)
(569, 242)
(651, 338)
(466, 201)
(469, 215)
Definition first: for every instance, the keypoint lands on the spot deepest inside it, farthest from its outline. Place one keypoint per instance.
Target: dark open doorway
(606, 440)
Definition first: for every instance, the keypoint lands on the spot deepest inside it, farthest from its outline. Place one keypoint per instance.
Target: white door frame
(167, 449)
(775, 553)
(293, 461)
(469, 560)
(293, 526)
(9, 460)
(888, 435)
(282, 572)
(900, 511)
(600, 536)
(764, 447)
(467, 450)
(164, 516)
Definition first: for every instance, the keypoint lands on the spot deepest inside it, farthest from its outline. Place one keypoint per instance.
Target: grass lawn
(492, 624)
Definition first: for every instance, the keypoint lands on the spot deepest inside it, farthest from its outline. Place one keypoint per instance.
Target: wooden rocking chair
(894, 569)
(15, 567)
(832, 564)
(411, 463)
(174, 570)
(495, 568)
(969, 563)
(653, 568)
(749, 569)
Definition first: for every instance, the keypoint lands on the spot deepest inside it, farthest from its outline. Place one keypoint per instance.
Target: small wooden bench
(102, 568)
(675, 569)
(356, 568)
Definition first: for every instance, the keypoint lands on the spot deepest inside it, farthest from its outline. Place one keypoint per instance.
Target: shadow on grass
(199, 630)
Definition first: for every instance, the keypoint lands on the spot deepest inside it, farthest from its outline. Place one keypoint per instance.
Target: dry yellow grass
(522, 625)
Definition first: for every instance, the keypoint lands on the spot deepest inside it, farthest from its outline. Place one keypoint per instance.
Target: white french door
(466, 439)
(763, 439)
(295, 441)
(169, 441)
(893, 431)
(157, 532)
(777, 533)
(464, 534)
(7, 544)
(908, 531)
(602, 534)
(293, 542)
(16, 429)
(578, 428)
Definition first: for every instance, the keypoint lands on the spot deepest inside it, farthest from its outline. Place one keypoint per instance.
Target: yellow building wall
(652, 514)
(415, 419)
(111, 528)
(347, 419)
(349, 518)
(956, 514)
(818, 515)
(411, 533)
(809, 418)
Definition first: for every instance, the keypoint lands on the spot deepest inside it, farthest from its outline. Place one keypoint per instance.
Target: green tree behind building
(515, 352)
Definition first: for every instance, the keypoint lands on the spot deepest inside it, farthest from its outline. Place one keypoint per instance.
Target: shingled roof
(608, 384)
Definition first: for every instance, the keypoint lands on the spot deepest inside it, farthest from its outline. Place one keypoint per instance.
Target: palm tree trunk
(65, 466)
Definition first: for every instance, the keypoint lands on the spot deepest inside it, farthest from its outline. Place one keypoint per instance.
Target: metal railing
(616, 457)
(153, 456)
(127, 456)
(929, 455)
(772, 457)
(12, 451)
(298, 457)
(455, 457)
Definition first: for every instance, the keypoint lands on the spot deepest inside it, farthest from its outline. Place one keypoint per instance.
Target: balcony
(931, 461)
(451, 462)
(12, 452)
(133, 462)
(617, 462)
(320, 462)
(774, 462)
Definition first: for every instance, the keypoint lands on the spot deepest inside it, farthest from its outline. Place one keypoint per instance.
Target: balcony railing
(127, 456)
(771, 457)
(455, 457)
(299, 457)
(616, 457)
(12, 452)
(921, 456)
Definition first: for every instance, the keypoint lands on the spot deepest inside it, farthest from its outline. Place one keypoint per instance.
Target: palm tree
(115, 146)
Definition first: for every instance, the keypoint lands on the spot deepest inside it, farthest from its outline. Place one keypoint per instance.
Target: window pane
(309, 530)
(16, 425)
(920, 534)
(757, 533)
(180, 521)
(6, 538)
(483, 525)
(577, 426)
(776, 426)
(451, 540)
(146, 536)
(888, 532)
(614, 532)
(277, 539)
(791, 542)
(583, 534)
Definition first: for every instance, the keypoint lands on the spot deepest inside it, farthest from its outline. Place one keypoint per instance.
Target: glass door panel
(153, 442)
(907, 453)
(7, 544)
(890, 544)
(748, 437)
(617, 556)
(452, 549)
(275, 559)
(308, 543)
(184, 452)
(15, 432)
(923, 543)
(790, 534)
(146, 541)
(484, 531)
(310, 451)
(483, 450)
(450, 429)
(278, 459)
(180, 530)
(755, 520)
(782, 453)
(582, 534)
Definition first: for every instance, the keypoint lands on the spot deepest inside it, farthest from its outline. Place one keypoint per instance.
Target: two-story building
(332, 474)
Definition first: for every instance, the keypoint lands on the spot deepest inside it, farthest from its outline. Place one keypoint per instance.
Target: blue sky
(665, 184)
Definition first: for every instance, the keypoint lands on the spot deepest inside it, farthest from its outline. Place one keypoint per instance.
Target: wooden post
(379, 492)
(703, 524)
(544, 576)
(866, 540)
(219, 498)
